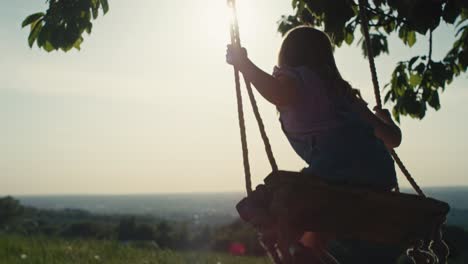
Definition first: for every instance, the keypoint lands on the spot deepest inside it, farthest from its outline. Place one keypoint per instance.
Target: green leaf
(105, 6)
(411, 38)
(387, 96)
(426, 93)
(349, 38)
(95, 12)
(37, 27)
(32, 18)
(89, 28)
(415, 79)
(390, 26)
(408, 36)
(402, 32)
(420, 68)
(396, 114)
(422, 110)
(464, 13)
(48, 46)
(434, 100)
(77, 44)
(460, 30)
(43, 36)
(463, 58)
(66, 48)
(412, 61)
(349, 34)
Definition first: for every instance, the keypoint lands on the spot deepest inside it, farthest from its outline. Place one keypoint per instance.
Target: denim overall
(348, 155)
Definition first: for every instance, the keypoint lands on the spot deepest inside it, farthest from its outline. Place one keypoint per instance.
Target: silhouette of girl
(325, 120)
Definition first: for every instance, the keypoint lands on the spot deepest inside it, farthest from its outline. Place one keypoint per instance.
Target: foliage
(163, 234)
(415, 83)
(63, 24)
(10, 210)
(88, 229)
(129, 229)
(126, 229)
(238, 231)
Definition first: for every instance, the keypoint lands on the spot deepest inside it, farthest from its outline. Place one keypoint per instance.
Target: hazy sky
(148, 104)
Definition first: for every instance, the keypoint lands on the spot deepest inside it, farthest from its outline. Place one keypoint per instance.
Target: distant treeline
(206, 208)
(154, 231)
(74, 223)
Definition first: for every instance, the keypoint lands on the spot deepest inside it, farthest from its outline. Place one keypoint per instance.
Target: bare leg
(314, 240)
(317, 242)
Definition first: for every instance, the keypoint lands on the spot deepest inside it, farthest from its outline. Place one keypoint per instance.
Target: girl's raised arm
(278, 91)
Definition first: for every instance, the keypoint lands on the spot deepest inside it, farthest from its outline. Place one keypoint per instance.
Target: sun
(215, 18)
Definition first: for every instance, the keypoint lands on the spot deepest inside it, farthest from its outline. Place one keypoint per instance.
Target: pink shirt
(315, 111)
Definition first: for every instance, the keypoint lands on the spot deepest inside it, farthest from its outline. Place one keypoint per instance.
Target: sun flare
(217, 17)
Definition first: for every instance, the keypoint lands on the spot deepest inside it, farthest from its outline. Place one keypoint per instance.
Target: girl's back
(330, 137)
(316, 110)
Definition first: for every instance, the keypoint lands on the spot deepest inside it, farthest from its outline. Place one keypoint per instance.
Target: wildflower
(23, 256)
(237, 249)
(96, 257)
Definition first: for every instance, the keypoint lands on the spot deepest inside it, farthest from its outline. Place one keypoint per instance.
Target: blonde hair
(307, 46)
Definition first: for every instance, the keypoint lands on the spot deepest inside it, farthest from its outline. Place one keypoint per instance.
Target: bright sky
(148, 104)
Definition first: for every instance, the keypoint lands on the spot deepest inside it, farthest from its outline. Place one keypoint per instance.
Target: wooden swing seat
(302, 202)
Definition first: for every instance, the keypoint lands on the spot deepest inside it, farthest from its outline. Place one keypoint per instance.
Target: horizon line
(191, 193)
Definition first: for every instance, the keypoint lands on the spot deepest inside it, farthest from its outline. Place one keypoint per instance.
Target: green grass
(42, 250)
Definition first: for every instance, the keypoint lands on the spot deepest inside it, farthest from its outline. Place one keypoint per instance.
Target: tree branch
(429, 56)
(388, 15)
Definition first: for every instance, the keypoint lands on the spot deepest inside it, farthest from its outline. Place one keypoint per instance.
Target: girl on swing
(325, 120)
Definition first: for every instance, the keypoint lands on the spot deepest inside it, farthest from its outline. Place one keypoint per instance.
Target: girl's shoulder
(303, 74)
(293, 71)
(285, 71)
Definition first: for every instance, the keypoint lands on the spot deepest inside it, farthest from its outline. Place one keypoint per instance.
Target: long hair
(307, 46)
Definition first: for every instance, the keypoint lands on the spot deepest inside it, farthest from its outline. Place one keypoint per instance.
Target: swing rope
(375, 81)
(235, 41)
(261, 127)
(240, 112)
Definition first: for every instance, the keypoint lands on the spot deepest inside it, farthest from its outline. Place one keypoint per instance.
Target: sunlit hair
(307, 46)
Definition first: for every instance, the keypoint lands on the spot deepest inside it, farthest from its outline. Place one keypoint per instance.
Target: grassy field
(37, 250)
(45, 250)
